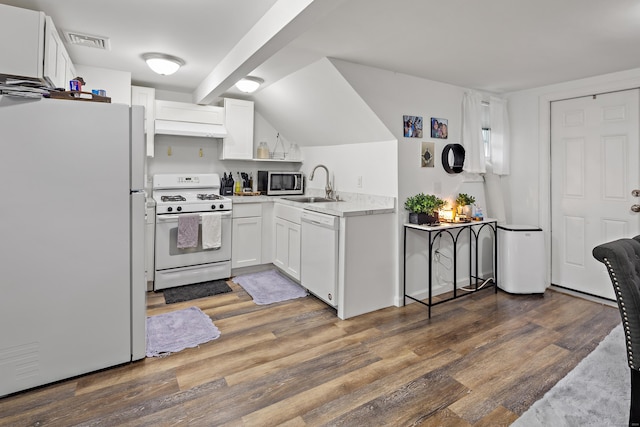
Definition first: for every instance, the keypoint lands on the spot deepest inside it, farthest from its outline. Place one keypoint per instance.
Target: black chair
(622, 259)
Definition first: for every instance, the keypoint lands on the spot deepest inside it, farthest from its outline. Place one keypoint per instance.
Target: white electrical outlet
(359, 184)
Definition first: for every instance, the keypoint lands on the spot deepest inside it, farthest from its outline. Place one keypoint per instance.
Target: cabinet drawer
(245, 210)
(287, 212)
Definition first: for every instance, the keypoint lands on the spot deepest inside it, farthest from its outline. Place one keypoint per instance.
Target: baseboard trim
(583, 295)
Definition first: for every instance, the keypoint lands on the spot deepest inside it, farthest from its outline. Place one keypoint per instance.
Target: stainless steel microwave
(277, 183)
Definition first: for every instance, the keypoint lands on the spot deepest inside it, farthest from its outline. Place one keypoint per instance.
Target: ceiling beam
(286, 20)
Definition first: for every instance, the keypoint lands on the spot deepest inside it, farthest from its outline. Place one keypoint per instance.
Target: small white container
(263, 150)
(521, 259)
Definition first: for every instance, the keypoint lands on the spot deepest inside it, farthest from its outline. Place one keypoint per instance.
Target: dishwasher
(319, 255)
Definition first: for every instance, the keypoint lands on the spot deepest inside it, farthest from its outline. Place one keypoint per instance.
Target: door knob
(635, 208)
(635, 193)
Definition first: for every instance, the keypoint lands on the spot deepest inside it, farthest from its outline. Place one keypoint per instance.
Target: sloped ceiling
(316, 106)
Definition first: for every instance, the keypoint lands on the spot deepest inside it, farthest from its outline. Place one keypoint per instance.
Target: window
(486, 138)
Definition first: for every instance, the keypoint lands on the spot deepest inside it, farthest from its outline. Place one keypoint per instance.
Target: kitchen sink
(307, 199)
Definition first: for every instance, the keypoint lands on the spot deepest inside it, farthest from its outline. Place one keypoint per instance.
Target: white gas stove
(179, 198)
(188, 193)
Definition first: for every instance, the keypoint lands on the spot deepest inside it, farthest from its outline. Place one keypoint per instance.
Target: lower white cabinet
(246, 235)
(287, 247)
(287, 238)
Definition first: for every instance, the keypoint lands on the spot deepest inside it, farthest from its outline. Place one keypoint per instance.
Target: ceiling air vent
(88, 40)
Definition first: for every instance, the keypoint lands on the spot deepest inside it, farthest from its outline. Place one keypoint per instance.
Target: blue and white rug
(268, 287)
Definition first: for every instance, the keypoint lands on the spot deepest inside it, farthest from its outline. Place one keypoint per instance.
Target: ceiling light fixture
(249, 84)
(163, 64)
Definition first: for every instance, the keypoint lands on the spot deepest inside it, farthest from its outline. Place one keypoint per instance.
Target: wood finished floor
(479, 361)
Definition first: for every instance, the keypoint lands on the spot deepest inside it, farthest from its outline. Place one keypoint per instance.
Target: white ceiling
(492, 45)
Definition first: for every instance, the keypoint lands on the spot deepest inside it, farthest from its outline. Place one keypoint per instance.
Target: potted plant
(423, 208)
(464, 202)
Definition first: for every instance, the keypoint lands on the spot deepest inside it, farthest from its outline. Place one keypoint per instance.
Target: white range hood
(203, 130)
(179, 118)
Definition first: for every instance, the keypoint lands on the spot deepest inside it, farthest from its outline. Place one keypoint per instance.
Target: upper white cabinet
(58, 69)
(146, 96)
(21, 42)
(238, 144)
(31, 48)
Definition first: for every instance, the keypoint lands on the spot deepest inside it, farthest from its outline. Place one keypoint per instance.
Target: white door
(594, 168)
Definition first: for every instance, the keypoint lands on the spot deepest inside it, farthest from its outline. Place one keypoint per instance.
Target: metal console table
(454, 230)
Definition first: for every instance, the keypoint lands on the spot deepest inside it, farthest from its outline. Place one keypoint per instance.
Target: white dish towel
(211, 230)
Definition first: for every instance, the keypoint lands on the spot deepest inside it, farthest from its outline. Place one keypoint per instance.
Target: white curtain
(499, 136)
(472, 142)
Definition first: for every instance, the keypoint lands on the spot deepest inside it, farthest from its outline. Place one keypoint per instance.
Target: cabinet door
(287, 247)
(146, 96)
(246, 247)
(239, 123)
(293, 268)
(21, 42)
(281, 243)
(55, 57)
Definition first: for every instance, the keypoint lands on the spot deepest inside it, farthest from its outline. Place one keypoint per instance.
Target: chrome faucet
(327, 189)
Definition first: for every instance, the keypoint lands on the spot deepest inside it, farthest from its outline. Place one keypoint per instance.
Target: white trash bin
(521, 259)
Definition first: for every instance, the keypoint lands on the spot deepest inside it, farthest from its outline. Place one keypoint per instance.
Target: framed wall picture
(412, 126)
(427, 154)
(439, 128)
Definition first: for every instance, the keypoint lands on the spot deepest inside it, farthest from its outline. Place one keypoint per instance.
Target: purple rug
(267, 287)
(174, 331)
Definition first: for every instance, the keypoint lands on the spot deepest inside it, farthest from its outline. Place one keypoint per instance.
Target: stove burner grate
(208, 197)
(173, 198)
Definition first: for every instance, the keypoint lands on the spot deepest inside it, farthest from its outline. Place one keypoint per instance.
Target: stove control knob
(169, 209)
(213, 206)
(179, 208)
(221, 206)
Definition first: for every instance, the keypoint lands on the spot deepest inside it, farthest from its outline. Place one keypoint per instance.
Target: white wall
(185, 158)
(116, 83)
(264, 131)
(315, 106)
(371, 163)
(391, 95)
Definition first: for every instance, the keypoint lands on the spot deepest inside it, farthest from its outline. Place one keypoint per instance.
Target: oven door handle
(163, 218)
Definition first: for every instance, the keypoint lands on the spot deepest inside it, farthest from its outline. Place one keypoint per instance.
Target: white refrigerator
(72, 279)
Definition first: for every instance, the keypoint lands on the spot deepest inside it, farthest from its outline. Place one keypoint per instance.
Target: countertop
(350, 205)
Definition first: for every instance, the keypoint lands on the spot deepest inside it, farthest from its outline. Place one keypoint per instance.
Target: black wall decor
(458, 158)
